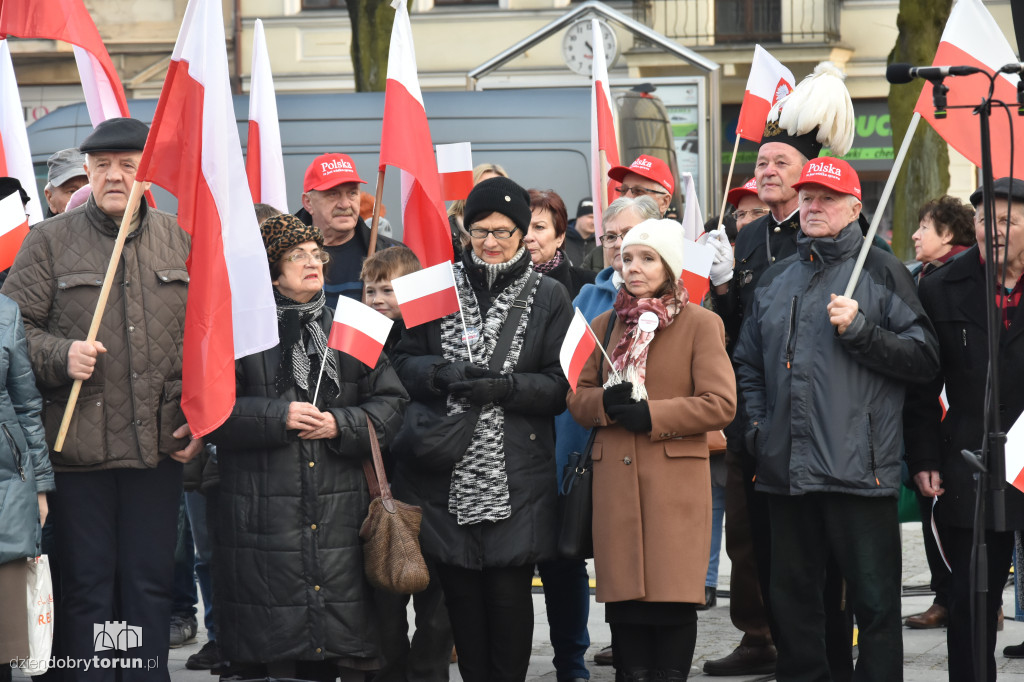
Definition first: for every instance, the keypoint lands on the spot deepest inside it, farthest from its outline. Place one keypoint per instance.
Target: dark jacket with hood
(289, 563)
(528, 535)
(823, 409)
(576, 246)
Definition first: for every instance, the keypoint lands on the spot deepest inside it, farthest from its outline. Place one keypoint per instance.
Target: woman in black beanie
(489, 513)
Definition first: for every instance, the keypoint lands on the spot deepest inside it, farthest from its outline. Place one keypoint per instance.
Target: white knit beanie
(664, 236)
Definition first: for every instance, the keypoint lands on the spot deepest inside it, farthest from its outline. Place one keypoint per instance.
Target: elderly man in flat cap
(119, 474)
(954, 298)
(65, 175)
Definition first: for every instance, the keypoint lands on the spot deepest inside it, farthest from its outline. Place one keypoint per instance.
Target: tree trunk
(925, 172)
(371, 37)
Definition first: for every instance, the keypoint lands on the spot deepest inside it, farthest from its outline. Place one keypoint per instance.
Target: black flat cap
(1001, 188)
(116, 135)
(9, 186)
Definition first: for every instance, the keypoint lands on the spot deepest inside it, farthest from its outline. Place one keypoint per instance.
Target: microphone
(904, 73)
(1012, 67)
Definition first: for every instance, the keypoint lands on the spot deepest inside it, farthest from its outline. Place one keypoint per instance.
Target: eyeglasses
(636, 191)
(481, 234)
(608, 239)
(317, 256)
(754, 213)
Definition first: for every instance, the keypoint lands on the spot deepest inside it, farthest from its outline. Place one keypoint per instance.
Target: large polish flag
(577, 346)
(13, 228)
(768, 82)
(194, 152)
(697, 260)
(15, 157)
(426, 294)
(693, 219)
(264, 160)
(455, 164)
(69, 21)
(602, 127)
(972, 38)
(359, 330)
(405, 144)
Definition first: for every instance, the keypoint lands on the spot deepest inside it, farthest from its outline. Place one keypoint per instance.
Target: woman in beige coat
(672, 382)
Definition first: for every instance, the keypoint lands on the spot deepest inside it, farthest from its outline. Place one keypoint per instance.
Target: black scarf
(303, 349)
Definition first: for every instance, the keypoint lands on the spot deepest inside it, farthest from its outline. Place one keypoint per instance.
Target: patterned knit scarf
(302, 338)
(630, 355)
(479, 484)
(550, 265)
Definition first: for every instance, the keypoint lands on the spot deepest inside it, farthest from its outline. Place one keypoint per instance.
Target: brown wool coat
(652, 492)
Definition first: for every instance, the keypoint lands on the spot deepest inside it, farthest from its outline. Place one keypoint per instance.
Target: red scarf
(629, 358)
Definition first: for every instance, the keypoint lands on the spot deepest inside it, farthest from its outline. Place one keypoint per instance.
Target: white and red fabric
(455, 164)
(69, 21)
(602, 126)
(1015, 455)
(697, 260)
(405, 144)
(264, 160)
(15, 157)
(359, 330)
(693, 219)
(193, 151)
(973, 38)
(768, 82)
(577, 346)
(426, 294)
(13, 228)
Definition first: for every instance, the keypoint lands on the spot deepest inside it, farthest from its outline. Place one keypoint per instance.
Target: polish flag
(693, 220)
(405, 144)
(69, 21)
(426, 294)
(359, 330)
(1015, 454)
(697, 260)
(13, 228)
(577, 346)
(15, 157)
(602, 127)
(194, 152)
(264, 160)
(768, 82)
(455, 163)
(972, 38)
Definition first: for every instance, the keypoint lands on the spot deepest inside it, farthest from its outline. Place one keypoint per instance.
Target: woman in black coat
(489, 515)
(292, 599)
(545, 238)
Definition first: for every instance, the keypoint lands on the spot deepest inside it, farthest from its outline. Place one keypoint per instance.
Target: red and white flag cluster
(405, 144)
(194, 152)
(359, 330)
(768, 82)
(455, 164)
(577, 346)
(264, 160)
(602, 127)
(973, 38)
(426, 294)
(15, 157)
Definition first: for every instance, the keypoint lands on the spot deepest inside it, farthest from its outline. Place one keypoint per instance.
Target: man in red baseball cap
(330, 197)
(747, 206)
(648, 176)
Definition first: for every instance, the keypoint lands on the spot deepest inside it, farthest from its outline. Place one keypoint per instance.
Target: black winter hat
(116, 135)
(1001, 188)
(498, 195)
(9, 186)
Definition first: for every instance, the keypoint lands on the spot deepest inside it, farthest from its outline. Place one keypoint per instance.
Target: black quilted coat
(288, 562)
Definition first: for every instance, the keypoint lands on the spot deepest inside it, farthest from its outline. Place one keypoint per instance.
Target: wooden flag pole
(877, 217)
(115, 258)
(376, 213)
(603, 179)
(728, 182)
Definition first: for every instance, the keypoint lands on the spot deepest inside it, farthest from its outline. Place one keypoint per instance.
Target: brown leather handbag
(391, 533)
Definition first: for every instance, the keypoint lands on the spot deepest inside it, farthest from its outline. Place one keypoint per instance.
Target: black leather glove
(483, 386)
(635, 417)
(448, 374)
(619, 394)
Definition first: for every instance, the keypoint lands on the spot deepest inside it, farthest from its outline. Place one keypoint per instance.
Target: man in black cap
(65, 175)
(119, 471)
(579, 237)
(954, 298)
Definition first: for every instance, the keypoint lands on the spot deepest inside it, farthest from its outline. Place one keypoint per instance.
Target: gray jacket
(24, 462)
(824, 410)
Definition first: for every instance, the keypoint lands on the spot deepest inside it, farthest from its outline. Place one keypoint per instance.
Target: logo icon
(116, 635)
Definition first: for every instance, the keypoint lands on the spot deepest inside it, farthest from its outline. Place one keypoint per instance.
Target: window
(323, 4)
(748, 21)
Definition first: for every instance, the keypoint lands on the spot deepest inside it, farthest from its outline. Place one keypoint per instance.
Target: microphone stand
(990, 460)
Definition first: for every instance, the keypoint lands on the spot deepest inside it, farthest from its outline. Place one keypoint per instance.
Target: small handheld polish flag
(577, 346)
(427, 294)
(359, 330)
(455, 164)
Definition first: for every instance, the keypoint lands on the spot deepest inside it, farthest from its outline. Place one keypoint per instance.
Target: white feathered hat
(819, 112)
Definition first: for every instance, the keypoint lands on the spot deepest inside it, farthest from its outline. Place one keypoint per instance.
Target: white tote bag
(40, 616)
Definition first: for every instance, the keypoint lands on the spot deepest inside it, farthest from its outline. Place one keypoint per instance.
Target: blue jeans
(567, 597)
(717, 519)
(195, 504)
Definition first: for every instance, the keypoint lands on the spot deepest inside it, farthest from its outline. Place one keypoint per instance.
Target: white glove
(721, 267)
